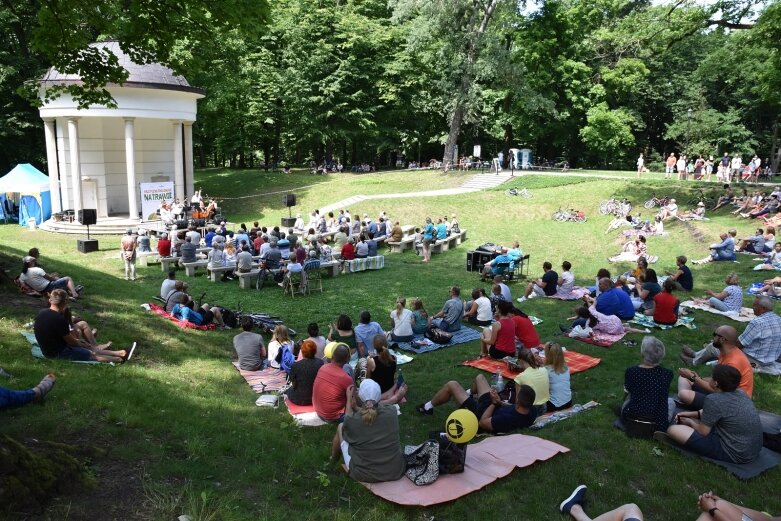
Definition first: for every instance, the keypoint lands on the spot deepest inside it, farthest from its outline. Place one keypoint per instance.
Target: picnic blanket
(553, 417)
(766, 460)
(421, 344)
(600, 339)
(157, 310)
(35, 350)
(265, 380)
(756, 286)
(304, 415)
(745, 314)
(486, 461)
(576, 293)
(368, 263)
(647, 321)
(577, 362)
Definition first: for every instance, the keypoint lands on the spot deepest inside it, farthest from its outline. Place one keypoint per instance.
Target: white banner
(152, 194)
(476, 151)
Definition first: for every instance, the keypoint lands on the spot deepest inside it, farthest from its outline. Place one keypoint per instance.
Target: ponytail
(368, 413)
(400, 303)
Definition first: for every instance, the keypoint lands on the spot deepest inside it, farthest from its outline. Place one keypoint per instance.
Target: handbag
(422, 462)
(452, 456)
(438, 336)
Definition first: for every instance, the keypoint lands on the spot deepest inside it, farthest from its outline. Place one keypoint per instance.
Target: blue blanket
(465, 334)
(756, 286)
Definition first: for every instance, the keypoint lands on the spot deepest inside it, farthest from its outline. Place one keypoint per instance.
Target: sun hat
(369, 391)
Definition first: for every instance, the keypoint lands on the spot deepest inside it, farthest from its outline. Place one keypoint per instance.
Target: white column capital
(129, 119)
(74, 118)
(188, 123)
(48, 120)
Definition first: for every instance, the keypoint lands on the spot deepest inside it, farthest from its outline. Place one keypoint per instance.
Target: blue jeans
(718, 304)
(720, 255)
(11, 398)
(441, 324)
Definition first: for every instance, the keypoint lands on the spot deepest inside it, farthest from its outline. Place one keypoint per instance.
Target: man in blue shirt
(614, 301)
(441, 230)
(493, 267)
(723, 251)
(210, 236)
(365, 333)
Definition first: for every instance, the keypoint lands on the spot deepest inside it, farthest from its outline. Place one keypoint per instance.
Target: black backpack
(229, 318)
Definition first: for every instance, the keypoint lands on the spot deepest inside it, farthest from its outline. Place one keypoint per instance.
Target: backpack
(285, 358)
(229, 318)
(438, 336)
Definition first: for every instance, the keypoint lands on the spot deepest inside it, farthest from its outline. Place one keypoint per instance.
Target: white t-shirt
(35, 278)
(402, 325)
(484, 313)
(167, 287)
(273, 350)
(568, 284)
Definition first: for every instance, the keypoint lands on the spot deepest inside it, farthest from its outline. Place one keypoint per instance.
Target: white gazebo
(99, 156)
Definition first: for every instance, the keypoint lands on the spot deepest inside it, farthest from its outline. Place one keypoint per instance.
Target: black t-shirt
(384, 375)
(551, 280)
(302, 376)
(50, 329)
(685, 279)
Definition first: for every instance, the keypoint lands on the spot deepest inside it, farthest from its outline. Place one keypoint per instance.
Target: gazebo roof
(143, 76)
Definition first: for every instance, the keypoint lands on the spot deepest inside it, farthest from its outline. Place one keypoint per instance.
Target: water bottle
(498, 382)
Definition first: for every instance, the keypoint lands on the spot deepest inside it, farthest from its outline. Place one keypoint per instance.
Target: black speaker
(88, 216)
(289, 199)
(87, 245)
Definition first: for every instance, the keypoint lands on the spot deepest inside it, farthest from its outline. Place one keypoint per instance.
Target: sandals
(129, 353)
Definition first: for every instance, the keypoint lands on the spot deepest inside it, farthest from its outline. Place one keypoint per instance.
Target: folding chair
(314, 279)
(519, 266)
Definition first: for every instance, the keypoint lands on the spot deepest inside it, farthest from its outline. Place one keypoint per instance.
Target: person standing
(428, 238)
(640, 165)
(668, 168)
(128, 253)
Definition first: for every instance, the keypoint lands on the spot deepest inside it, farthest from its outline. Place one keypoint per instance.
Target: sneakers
(521, 299)
(564, 329)
(422, 410)
(576, 498)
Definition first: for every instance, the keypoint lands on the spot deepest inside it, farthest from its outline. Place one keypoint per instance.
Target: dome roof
(143, 76)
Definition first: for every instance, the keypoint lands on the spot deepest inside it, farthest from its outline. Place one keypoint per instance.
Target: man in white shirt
(37, 279)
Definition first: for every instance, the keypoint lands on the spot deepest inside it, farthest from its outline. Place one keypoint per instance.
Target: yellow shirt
(537, 379)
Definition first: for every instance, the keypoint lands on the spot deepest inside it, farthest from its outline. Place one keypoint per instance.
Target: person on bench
(492, 413)
(53, 333)
(728, 426)
(449, 318)
(216, 259)
(188, 251)
(692, 389)
(164, 245)
(396, 234)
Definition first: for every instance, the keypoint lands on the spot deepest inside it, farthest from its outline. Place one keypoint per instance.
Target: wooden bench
(190, 267)
(404, 244)
(214, 272)
(144, 258)
(369, 263)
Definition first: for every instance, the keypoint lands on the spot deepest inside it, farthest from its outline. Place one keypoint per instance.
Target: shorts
(75, 354)
(540, 292)
(494, 353)
(208, 316)
(478, 406)
(60, 283)
(340, 419)
(473, 320)
(699, 397)
(427, 242)
(708, 446)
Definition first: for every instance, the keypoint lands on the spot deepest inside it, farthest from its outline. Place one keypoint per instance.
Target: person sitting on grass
(728, 426)
(544, 286)
(40, 281)
(535, 376)
(588, 322)
(342, 331)
(770, 287)
(614, 301)
(559, 378)
(728, 300)
(646, 387)
(402, 321)
(303, 373)
(753, 243)
(566, 281)
(449, 318)
(574, 504)
(174, 297)
(498, 340)
(695, 214)
(526, 336)
(646, 289)
(85, 334)
(168, 284)
(382, 369)
(478, 310)
(11, 398)
(692, 389)
(422, 320)
(329, 392)
(53, 333)
(772, 259)
(313, 330)
(716, 509)
(669, 211)
(682, 275)
(493, 415)
(185, 311)
(721, 251)
(368, 439)
(631, 251)
(666, 306)
(364, 334)
(249, 347)
(725, 198)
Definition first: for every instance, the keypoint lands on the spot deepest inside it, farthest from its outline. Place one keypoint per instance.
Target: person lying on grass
(42, 282)
(56, 339)
(492, 413)
(727, 428)
(11, 398)
(185, 311)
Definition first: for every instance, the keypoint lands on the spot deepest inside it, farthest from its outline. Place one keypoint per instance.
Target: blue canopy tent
(30, 187)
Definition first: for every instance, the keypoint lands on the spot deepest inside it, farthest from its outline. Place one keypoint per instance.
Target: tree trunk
(277, 134)
(343, 158)
(266, 153)
(457, 117)
(775, 150)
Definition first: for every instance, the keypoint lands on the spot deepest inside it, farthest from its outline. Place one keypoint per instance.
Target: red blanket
(601, 339)
(157, 310)
(268, 380)
(576, 362)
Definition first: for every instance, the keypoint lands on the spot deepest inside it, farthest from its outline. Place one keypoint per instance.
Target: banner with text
(152, 194)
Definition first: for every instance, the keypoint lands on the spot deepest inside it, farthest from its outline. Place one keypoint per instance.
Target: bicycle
(613, 206)
(563, 215)
(655, 201)
(525, 193)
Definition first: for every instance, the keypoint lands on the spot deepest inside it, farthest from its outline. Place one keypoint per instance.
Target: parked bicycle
(613, 206)
(563, 215)
(656, 201)
(525, 193)
(701, 198)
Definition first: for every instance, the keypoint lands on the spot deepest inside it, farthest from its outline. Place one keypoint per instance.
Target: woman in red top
(525, 333)
(164, 246)
(348, 250)
(498, 341)
(666, 305)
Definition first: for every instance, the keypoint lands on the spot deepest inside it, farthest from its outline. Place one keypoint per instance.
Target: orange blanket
(576, 362)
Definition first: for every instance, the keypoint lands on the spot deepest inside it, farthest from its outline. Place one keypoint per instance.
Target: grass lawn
(180, 425)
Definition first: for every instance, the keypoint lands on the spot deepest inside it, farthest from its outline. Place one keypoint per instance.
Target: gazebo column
(130, 160)
(53, 167)
(188, 157)
(75, 156)
(179, 188)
